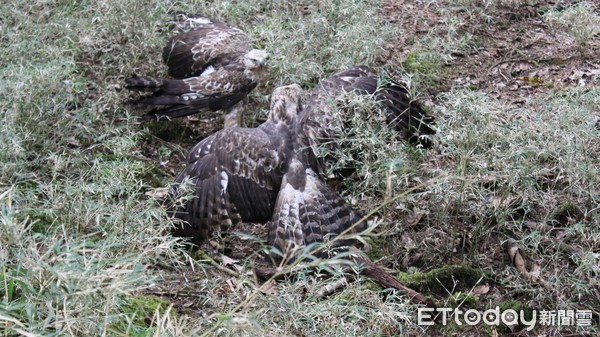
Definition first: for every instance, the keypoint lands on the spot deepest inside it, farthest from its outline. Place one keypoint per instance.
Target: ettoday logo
(426, 316)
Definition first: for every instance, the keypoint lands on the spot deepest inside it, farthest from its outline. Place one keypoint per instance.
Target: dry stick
(215, 264)
(385, 280)
(368, 268)
(332, 287)
(174, 295)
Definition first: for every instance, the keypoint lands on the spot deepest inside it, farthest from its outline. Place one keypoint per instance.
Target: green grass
(83, 249)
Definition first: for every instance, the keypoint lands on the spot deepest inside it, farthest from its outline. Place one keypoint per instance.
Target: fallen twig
(367, 268)
(385, 280)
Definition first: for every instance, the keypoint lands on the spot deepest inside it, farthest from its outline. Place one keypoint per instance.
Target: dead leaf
(536, 272)
(234, 284)
(517, 259)
(71, 141)
(514, 252)
(481, 290)
(583, 77)
(269, 288)
(227, 261)
(157, 193)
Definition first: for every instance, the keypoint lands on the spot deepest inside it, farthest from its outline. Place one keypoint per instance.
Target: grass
(84, 250)
(579, 22)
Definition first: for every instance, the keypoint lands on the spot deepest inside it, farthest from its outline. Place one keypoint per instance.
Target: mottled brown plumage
(261, 175)
(271, 174)
(324, 126)
(203, 42)
(214, 68)
(235, 174)
(308, 211)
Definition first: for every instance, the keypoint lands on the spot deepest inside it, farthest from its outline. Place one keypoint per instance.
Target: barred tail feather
(144, 83)
(307, 212)
(406, 115)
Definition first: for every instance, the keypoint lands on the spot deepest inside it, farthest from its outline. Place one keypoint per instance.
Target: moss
(442, 280)
(425, 64)
(510, 304)
(140, 311)
(375, 253)
(370, 285)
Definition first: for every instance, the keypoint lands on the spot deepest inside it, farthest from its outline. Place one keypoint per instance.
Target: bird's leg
(234, 117)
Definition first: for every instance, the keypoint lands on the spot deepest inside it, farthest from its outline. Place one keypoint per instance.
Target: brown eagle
(260, 175)
(272, 173)
(213, 67)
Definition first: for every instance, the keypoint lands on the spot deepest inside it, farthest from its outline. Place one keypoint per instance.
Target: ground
(502, 211)
(512, 55)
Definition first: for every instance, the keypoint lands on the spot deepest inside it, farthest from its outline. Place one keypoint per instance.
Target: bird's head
(256, 60)
(286, 103)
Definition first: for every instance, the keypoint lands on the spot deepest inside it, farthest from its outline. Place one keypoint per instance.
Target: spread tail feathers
(307, 212)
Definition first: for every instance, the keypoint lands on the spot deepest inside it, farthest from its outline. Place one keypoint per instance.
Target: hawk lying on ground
(272, 173)
(214, 67)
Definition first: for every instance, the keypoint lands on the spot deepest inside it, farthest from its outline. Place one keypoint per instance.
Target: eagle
(213, 68)
(272, 174)
(260, 175)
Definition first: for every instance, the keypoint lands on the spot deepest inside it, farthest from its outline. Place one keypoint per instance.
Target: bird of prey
(323, 125)
(260, 175)
(213, 67)
(272, 173)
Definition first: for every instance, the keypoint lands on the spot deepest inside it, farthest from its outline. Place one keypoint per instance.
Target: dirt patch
(512, 52)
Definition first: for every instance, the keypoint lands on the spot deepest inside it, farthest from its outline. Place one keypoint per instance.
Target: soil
(515, 54)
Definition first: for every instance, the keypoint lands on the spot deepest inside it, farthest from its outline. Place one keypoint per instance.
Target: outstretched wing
(233, 175)
(404, 114)
(218, 90)
(308, 211)
(189, 53)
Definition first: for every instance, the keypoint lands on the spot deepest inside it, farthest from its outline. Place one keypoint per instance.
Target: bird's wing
(308, 211)
(187, 54)
(218, 90)
(404, 114)
(322, 123)
(233, 175)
